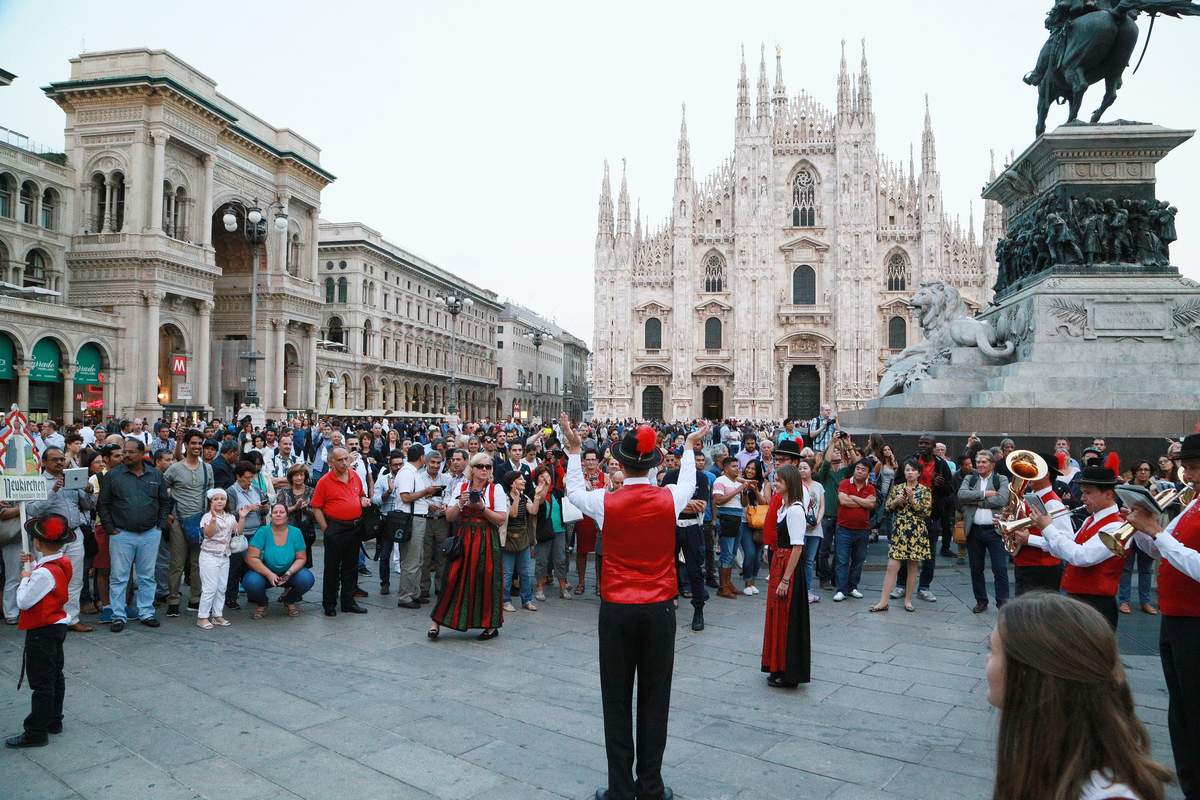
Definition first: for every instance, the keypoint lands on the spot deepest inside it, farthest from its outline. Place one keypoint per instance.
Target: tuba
(1025, 466)
(1118, 539)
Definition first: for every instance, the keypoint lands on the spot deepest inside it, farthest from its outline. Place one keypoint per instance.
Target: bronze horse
(1096, 47)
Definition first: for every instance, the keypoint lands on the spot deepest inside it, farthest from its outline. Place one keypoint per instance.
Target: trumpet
(1008, 528)
(1025, 466)
(1118, 539)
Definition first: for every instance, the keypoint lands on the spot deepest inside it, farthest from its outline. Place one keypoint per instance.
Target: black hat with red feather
(639, 449)
(50, 528)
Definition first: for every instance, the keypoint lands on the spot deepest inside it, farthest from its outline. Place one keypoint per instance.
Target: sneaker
(530, 607)
(193, 605)
(539, 595)
(839, 597)
(856, 594)
(509, 607)
(173, 610)
(926, 595)
(813, 598)
(755, 588)
(106, 616)
(748, 591)
(897, 593)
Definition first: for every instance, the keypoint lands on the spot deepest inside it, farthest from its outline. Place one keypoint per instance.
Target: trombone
(1026, 467)
(1119, 538)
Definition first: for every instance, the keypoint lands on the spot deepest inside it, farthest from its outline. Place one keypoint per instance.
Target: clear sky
(473, 133)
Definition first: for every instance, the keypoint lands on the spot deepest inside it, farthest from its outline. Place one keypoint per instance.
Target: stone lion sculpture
(944, 321)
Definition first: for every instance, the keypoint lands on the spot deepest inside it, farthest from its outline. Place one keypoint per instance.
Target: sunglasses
(483, 466)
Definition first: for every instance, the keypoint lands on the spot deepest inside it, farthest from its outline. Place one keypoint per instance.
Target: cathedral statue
(1091, 41)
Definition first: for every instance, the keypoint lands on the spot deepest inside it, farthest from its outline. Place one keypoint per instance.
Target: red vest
(49, 610)
(639, 545)
(1036, 556)
(1179, 595)
(1102, 579)
(770, 537)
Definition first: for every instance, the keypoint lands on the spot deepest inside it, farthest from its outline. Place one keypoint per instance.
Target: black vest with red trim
(49, 610)
(639, 545)
(1036, 556)
(1179, 595)
(1100, 579)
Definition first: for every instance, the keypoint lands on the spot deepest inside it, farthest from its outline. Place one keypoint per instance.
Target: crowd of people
(475, 521)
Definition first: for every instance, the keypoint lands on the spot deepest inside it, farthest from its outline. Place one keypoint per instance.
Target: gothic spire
(623, 205)
(992, 171)
(763, 87)
(683, 161)
(637, 223)
(743, 99)
(780, 99)
(864, 83)
(843, 92)
(605, 219)
(928, 150)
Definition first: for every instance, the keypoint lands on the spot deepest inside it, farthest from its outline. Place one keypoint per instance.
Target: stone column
(206, 222)
(23, 387)
(203, 351)
(281, 242)
(106, 222)
(309, 373)
(279, 331)
(156, 180)
(68, 392)
(150, 348)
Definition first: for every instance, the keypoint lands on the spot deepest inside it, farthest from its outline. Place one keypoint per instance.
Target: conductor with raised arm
(637, 613)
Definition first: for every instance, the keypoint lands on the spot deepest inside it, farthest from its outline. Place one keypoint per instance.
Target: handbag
(452, 547)
(756, 516)
(960, 532)
(238, 543)
(400, 524)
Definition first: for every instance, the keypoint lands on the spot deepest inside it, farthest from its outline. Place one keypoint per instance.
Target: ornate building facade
(780, 280)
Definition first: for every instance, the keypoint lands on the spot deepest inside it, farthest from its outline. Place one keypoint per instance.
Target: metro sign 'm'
(179, 365)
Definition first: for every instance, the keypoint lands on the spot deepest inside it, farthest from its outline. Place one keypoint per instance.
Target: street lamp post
(255, 230)
(455, 305)
(538, 336)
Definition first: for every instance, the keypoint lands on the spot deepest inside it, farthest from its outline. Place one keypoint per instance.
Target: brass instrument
(1008, 528)
(1025, 466)
(1118, 539)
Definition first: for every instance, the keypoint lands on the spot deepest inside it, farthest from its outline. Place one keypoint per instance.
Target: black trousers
(44, 670)
(690, 539)
(1179, 648)
(389, 526)
(1105, 605)
(636, 640)
(983, 540)
(710, 552)
(1037, 579)
(341, 563)
(824, 564)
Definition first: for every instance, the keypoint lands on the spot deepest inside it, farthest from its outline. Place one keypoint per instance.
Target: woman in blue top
(275, 557)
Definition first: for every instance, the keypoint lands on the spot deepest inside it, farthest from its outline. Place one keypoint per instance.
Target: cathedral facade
(779, 281)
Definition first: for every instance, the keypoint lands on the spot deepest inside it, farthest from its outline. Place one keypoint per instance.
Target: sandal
(909, 607)
(488, 633)
(205, 624)
(224, 623)
(433, 632)
(875, 608)
(292, 610)
(563, 593)
(579, 589)
(259, 612)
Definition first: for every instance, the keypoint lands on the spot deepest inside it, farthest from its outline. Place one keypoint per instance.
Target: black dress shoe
(55, 727)
(360, 593)
(173, 610)
(409, 604)
(193, 606)
(698, 620)
(117, 626)
(779, 683)
(27, 740)
(384, 590)
(602, 794)
(980, 607)
(150, 622)
(331, 612)
(234, 604)
(364, 571)
(354, 608)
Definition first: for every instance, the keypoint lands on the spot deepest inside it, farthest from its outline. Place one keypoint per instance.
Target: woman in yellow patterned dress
(910, 502)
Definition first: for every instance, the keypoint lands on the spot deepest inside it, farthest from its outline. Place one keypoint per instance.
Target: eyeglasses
(483, 466)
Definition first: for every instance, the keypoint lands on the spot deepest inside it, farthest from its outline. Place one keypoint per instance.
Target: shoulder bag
(238, 543)
(756, 516)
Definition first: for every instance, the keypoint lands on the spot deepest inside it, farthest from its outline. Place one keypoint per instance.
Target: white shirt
(423, 481)
(360, 466)
(89, 436)
(1099, 787)
(280, 464)
(1061, 526)
(405, 483)
(39, 584)
(592, 502)
(724, 484)
(812, 502)
(1088, 554)
(794, 514)
(984, 516)
(143, 437)
(493, 496)
(1166, 546)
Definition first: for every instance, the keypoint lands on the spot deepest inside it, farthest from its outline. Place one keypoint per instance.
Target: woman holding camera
(911, 503)
(471, 594)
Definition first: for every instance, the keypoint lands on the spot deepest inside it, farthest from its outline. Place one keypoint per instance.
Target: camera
(474, 496)
(439, 489)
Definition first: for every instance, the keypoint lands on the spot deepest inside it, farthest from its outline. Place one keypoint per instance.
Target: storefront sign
(88, 364)
(46, 362)
(6, 357)
(179, 365)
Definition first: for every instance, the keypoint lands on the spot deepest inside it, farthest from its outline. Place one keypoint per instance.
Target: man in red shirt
(337, 505)
(856, 501)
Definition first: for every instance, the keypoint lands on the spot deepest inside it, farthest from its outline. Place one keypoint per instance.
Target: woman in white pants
(217, 528)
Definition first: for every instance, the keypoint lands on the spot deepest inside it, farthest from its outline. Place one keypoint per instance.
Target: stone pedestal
(1105, 333)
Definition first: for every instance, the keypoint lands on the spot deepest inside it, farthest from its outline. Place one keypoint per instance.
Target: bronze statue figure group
(1091, 41)
(1085, 231)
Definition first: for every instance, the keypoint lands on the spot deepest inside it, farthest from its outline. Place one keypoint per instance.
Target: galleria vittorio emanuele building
(779, 280)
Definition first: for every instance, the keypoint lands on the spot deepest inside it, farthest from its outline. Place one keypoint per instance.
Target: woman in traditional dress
(471, 594)
(911, 503)
(786, 656)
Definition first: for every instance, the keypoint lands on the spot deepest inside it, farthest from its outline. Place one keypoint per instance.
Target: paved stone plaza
(365, 707)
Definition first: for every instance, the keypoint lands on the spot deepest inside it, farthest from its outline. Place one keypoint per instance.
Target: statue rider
(1058, 20)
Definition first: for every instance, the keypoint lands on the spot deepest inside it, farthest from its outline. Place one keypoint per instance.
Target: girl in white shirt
(216, 530)
(1068, 730)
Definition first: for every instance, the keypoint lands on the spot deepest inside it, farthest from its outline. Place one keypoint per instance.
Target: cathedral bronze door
(804, 392)
(652, 403)
(713, 405)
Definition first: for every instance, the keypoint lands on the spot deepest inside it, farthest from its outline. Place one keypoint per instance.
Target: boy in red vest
(1178, 545)
(1093, 572)
(636, 629)
(41, 596)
